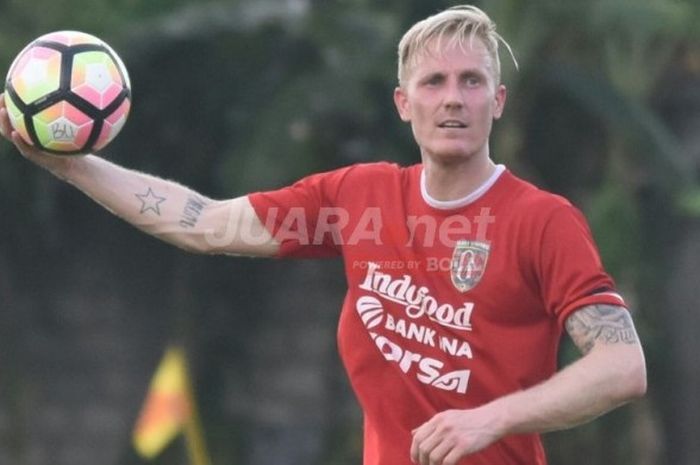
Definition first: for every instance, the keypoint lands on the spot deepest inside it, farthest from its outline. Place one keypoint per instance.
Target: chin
(452, 154)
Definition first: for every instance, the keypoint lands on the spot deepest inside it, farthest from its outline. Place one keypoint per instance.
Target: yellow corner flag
(169, 408)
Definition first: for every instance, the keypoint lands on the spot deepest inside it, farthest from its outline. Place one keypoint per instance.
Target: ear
(402, 105)
(499, 101)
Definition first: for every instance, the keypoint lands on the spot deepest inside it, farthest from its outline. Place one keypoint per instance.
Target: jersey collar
(464, 201)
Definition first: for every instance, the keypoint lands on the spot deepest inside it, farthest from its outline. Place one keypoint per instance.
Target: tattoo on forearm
(608, 324)
(193, 210)
(150, 201)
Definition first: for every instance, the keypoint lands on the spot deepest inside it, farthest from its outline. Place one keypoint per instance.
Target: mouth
(452, 124)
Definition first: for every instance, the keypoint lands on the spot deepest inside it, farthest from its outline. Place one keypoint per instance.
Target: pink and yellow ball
(68, 92)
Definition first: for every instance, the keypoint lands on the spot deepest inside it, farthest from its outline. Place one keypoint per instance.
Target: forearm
(151, 204)
(165, 209)
(605, 378)
(611, 372)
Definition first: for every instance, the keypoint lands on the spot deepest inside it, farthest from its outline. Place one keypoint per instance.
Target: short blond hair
(459, 24)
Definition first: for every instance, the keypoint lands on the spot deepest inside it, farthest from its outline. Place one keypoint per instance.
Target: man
(461, 277)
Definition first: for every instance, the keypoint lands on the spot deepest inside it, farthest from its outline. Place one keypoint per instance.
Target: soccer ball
(68, 93)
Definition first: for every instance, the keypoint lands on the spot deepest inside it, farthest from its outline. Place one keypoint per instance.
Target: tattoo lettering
(608, 324)
(193, 210)
(150, 201)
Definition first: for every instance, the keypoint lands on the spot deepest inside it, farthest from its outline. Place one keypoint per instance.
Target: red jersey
(450, 304)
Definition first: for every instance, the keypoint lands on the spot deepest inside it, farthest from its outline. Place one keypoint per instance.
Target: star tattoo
(150, 201)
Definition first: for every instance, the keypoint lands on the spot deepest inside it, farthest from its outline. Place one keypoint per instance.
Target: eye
(472, 80)
(434, 80)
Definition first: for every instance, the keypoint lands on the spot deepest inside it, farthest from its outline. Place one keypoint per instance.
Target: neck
(446, 181)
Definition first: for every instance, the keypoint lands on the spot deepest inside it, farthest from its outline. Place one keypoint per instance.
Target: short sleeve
(302, 217)
(570, 270)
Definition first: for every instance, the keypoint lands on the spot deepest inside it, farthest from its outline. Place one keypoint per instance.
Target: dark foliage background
(244, 95)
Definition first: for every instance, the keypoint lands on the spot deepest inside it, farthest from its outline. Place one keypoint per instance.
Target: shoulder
(353, 181)
(380, 169)
(374, 176)
(533, 203)
(539, 211)
(525, 194)
(361, 171)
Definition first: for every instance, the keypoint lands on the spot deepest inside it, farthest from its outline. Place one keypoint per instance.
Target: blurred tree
(591, 132)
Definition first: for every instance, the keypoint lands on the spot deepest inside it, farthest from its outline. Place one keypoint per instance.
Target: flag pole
(193, 431)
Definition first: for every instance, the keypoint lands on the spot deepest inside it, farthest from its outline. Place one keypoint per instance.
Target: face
(451, 99)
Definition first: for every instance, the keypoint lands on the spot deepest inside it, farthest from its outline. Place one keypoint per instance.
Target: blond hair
(458, 25)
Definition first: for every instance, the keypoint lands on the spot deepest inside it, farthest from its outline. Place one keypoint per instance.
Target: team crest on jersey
(469, 263)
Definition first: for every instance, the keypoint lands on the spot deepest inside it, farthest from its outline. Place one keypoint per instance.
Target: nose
(453, 95)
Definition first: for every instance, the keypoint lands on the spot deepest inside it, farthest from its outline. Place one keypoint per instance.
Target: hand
(59, 165)
(453, 434)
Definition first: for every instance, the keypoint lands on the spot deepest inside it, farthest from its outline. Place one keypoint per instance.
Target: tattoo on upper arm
(193, 210)
(608, 324)
(150, 201)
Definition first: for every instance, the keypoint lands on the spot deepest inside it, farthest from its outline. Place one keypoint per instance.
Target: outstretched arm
(162, 208)
(610, 373)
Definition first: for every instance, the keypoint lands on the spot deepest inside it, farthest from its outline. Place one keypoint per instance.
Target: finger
(414, 448)
(427, 448)
(440, 452)
(24, 148)
(419, 435)
(452, 456)
(422, 445)
(4, 122)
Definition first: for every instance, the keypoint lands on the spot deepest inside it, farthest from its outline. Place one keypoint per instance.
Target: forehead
(445, 54)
